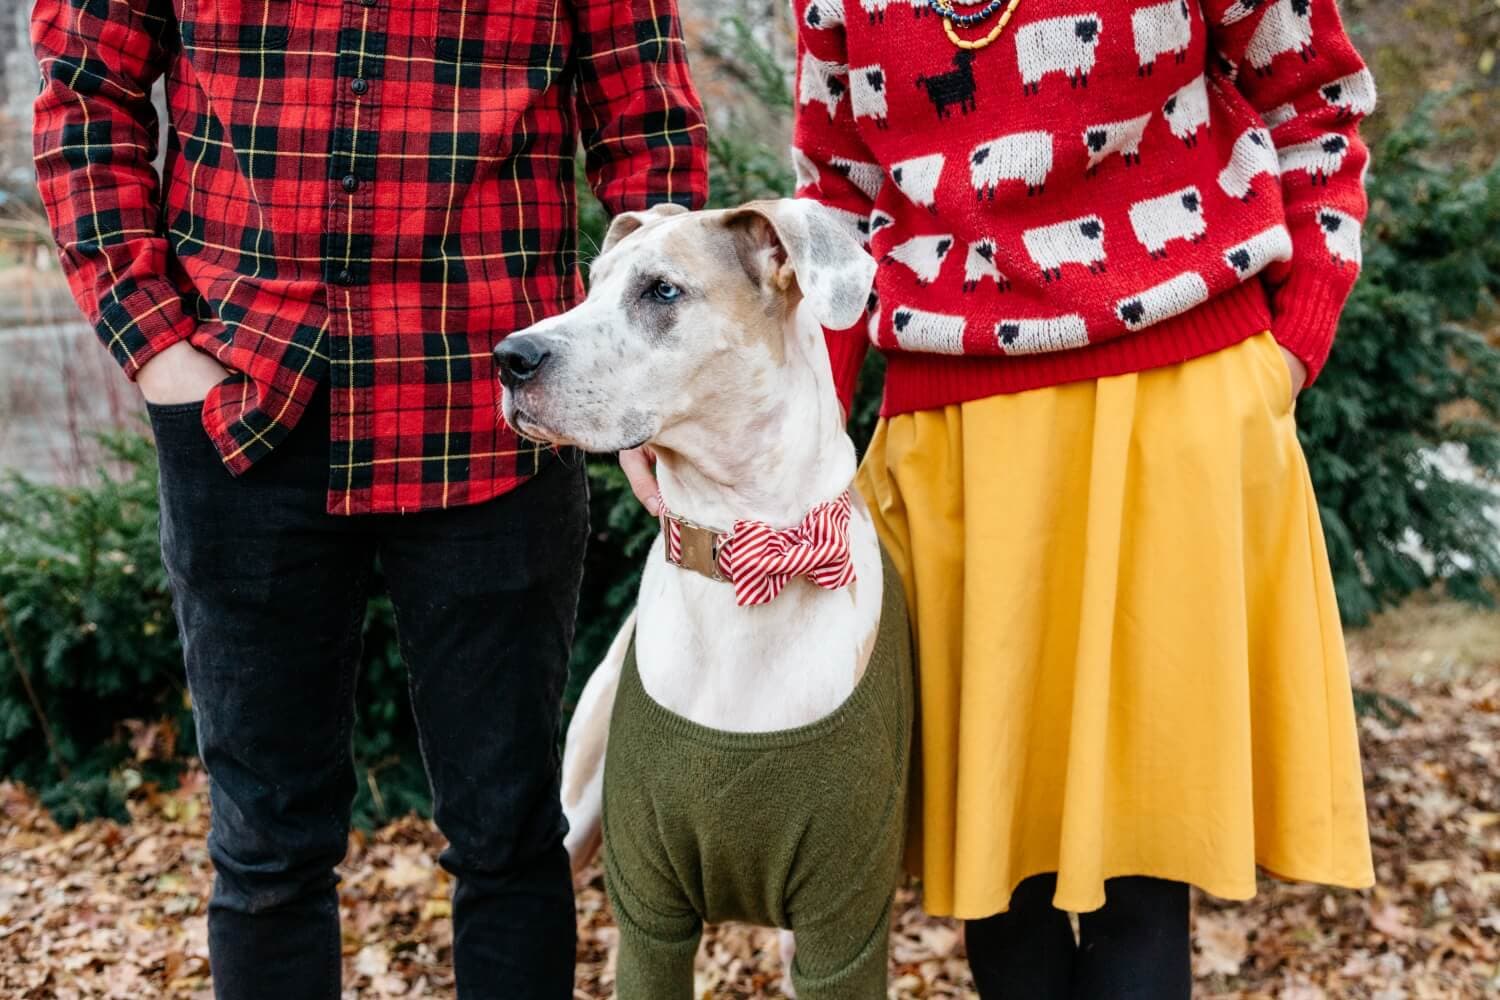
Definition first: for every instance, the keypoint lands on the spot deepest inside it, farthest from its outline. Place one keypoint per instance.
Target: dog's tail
(583, 753)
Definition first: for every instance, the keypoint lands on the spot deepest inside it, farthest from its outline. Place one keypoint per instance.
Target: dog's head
(688, 313)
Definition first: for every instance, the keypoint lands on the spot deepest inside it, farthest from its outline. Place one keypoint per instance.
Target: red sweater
(1112, 185)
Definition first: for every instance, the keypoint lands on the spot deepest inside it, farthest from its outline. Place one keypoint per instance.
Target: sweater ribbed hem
(928, 381)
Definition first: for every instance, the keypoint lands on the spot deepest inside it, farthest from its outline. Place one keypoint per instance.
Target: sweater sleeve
(1295, 64)
(833, 164)
(94, 140)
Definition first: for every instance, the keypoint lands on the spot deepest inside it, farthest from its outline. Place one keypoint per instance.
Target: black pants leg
(270, 593)
(1136, 947)
(485, 600)
(1027, 952)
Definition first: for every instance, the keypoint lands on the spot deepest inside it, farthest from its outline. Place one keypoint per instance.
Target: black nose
(520, 359)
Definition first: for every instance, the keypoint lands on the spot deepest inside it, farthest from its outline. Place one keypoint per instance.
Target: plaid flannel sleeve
(643, 127)
(94, 141)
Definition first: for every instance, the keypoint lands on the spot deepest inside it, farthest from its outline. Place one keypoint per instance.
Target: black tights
(1136, 947)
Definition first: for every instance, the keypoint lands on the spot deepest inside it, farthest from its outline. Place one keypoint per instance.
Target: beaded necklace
(945, 9)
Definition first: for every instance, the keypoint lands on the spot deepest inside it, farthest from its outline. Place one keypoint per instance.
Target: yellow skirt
(1130, 656)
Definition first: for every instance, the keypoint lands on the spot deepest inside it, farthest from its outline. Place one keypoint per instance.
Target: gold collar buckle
(700, 547)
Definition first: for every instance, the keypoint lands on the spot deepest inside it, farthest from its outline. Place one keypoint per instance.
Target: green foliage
(1411, 377)
(88, 641)
(86, 631)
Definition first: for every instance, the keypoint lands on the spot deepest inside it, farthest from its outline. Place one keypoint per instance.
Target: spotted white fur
(855, 223)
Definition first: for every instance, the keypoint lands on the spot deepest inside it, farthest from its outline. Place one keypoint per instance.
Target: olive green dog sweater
(801, 829)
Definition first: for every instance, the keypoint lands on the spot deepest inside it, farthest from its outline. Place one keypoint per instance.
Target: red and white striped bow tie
(760, 560)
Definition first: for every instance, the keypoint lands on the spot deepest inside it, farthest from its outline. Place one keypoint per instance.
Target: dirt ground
(118, 911)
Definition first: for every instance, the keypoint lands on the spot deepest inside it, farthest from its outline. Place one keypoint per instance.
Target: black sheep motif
(953, 87)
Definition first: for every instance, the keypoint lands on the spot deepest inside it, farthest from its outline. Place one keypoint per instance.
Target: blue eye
(664, 291)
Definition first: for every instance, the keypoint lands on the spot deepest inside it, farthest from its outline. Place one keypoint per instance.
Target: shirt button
(359, 85)
(350, 183)
(367, 3)
(344, 277)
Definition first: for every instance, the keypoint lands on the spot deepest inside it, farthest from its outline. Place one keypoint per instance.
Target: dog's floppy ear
(797, 239)
(628, 222)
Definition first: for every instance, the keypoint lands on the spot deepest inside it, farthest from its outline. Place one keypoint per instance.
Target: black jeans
(270, 593)
(1136, 947)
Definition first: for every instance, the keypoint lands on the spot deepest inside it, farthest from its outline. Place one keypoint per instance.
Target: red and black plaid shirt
(359, 193)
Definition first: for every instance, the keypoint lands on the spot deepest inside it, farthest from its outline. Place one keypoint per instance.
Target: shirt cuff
(143, 324)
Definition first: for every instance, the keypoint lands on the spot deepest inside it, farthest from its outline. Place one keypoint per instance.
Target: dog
(701, 336)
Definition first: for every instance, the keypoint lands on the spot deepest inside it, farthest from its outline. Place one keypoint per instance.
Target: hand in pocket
(180, 374)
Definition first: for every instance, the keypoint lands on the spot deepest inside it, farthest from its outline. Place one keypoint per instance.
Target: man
(361, 198)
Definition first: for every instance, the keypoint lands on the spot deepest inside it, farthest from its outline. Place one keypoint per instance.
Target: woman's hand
(1297, 370)
(640, 468)
(179, 374)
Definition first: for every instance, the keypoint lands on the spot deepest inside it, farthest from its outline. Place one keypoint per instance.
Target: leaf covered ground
(109, 910)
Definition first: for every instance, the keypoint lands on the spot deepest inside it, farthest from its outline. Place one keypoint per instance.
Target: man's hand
(179, 374)
(640, 468)
(1297, 370)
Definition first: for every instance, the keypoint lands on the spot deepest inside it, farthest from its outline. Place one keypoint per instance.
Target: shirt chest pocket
(246, 25)
(520, 36)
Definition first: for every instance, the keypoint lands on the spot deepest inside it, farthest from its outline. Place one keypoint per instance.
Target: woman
(1114, 240)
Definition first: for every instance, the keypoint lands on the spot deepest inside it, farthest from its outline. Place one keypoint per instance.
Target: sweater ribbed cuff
(1305, 316)
(846, 355)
